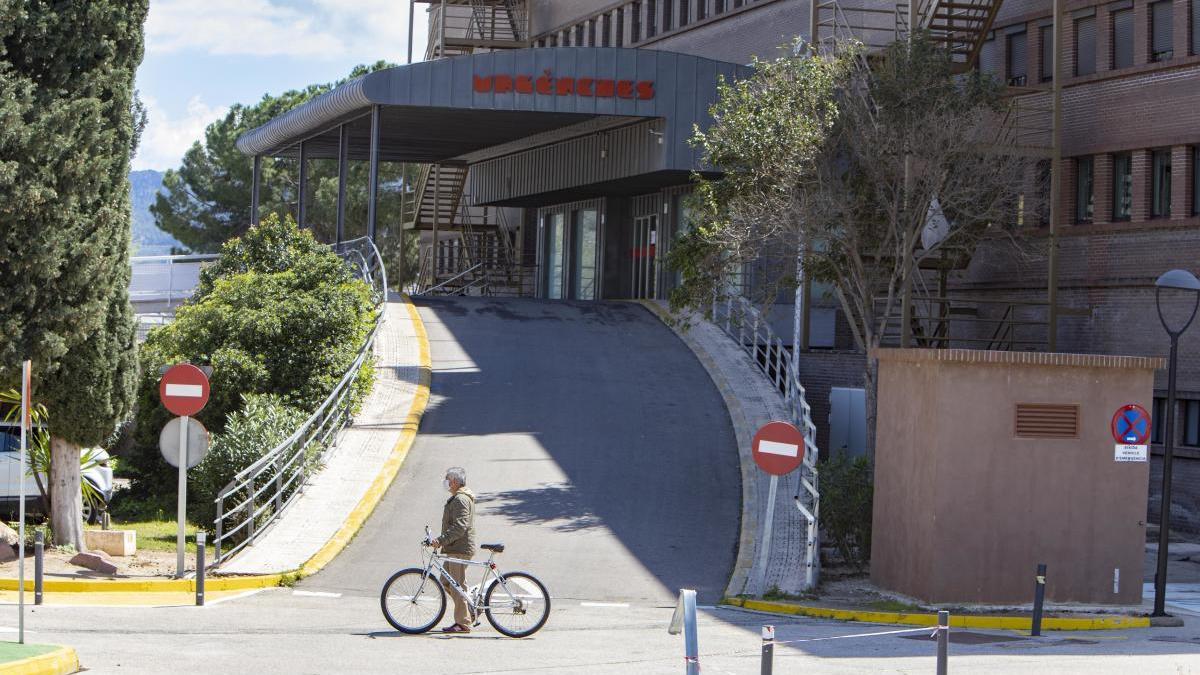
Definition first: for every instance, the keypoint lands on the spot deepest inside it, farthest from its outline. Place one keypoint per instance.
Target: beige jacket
(458, 524)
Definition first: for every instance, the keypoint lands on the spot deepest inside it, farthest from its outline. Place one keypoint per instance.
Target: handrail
(283, 470)
(781, 368)
(456, 277)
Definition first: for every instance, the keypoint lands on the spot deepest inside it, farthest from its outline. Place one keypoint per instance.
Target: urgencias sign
(548, 85)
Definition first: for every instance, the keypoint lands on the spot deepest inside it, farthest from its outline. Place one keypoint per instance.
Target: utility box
(989, 463)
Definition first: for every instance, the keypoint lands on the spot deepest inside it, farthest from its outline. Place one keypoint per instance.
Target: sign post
(26, 430)
(184, 391)
(778, 449)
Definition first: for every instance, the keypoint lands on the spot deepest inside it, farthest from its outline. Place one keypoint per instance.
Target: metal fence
(258, 494)
(741, 321)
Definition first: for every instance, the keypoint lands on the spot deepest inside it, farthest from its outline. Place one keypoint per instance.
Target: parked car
(96, 472)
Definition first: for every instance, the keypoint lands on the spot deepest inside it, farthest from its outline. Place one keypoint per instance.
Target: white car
(98, 474)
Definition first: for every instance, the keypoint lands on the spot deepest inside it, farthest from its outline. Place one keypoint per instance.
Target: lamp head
(1179, 279)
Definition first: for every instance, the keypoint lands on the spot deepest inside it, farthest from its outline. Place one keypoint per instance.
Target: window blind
(1160, 30)
(1085, 45)
(1122, 29)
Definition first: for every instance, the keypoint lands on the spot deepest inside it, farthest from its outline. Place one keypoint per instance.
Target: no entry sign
(778, 448)
(184, 389)
(1131, 425)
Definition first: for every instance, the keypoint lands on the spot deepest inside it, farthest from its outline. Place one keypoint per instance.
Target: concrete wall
(965, 510)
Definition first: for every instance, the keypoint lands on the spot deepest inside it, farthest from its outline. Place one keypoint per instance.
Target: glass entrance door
(554, 255)
(645, 263)
(583, 260)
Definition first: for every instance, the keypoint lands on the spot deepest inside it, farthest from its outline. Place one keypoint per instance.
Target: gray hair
(457, 474)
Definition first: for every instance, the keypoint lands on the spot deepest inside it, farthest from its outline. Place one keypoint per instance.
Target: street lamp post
(1181, 280)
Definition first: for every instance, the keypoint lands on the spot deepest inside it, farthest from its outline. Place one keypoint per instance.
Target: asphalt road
(601, 452)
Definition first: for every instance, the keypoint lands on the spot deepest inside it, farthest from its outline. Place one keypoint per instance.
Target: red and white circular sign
(778, 448)
(184, 389)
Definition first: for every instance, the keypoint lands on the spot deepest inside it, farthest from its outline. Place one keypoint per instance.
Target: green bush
(250, 433)
(279, 314)
(847, 493)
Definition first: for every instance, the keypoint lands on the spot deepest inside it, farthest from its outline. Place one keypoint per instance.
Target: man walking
(458, 540)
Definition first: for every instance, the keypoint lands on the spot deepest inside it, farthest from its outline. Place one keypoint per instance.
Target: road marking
(604, 604)
(185, 390)
(316, 594)
(236, 596)
(774, 448)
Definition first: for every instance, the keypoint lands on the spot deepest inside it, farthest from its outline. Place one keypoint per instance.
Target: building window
(591, 33)
(1160, 192)
(702, 9)
(606, 30)
(718, 6)
(1191, 423)
(620, 41)
(1043, 192)
(1161, 47)
(1122, 186)
(1016, 59)
(683, 12)
(1085, 45)
(1158, 419)
(554, 40)
(666, 12)
(1046, 68)
(1084, 190)
(651, 18)
(1196, 179)
(1122, 38)
(636, 35)
(1195, 26)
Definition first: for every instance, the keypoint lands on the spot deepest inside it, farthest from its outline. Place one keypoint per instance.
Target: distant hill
(148, 239)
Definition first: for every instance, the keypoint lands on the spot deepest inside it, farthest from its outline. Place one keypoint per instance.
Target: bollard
(199, 569)
(39, 551)
(768, 651)
(1039, 596)
(943, 642)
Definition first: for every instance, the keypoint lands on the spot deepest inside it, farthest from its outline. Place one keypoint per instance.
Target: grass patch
(156, 535)
(14, 651)
(896, 606)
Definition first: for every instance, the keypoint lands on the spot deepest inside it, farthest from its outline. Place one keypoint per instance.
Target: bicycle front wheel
(517, 604)
(412, 601)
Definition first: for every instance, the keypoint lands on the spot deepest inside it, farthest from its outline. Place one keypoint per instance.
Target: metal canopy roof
(440, 110)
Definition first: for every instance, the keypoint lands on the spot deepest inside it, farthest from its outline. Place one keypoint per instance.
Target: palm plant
(38, 465)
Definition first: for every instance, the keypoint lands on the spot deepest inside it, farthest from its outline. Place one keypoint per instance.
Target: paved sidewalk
(752, 402)
(352, 465)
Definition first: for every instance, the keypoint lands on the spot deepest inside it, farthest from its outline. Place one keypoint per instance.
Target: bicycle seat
(496, 548)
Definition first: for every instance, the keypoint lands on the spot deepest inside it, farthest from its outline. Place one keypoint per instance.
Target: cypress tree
(69, 122)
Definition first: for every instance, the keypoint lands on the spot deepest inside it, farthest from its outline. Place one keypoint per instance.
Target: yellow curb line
(366, 505)
(1110, 622)
(61, 661)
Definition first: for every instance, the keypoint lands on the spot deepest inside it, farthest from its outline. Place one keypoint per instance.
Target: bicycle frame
(436, 568)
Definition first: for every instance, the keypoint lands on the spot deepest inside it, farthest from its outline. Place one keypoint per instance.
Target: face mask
(446, 484)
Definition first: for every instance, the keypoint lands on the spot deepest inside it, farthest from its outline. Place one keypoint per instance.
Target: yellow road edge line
(61, 661)
(353, 523)
(391, 467)
(1114, 622)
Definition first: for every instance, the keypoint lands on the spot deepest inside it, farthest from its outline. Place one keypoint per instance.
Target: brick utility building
(573, 190)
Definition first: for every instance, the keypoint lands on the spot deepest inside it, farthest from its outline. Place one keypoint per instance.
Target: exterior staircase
(477, 258)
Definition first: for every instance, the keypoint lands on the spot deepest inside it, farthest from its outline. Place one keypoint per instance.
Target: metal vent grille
(1047, 420)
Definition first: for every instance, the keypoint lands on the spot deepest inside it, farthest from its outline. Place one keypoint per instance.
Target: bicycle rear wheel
(517, 604)
(412, 602)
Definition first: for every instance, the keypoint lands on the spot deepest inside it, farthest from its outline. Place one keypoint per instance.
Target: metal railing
(741, 321)
(258, 494)
(1001, 324)
(166, 278)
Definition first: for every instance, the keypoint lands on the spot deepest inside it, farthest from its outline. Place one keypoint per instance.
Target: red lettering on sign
(547, 85)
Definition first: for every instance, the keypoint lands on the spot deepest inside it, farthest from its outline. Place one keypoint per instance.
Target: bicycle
(413, 601)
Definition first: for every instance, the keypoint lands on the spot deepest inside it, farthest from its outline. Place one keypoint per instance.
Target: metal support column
(343, 143)
(412, 5)
(255, 180)
(1055, 179)
(302, 199)
(373, 187)
(437, 212)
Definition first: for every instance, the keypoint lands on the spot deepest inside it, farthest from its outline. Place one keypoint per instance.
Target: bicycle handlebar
(428, 541)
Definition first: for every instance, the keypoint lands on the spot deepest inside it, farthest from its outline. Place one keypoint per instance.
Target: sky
(202, 57)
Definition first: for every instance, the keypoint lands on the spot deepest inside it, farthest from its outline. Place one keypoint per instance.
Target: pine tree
(69, 121)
